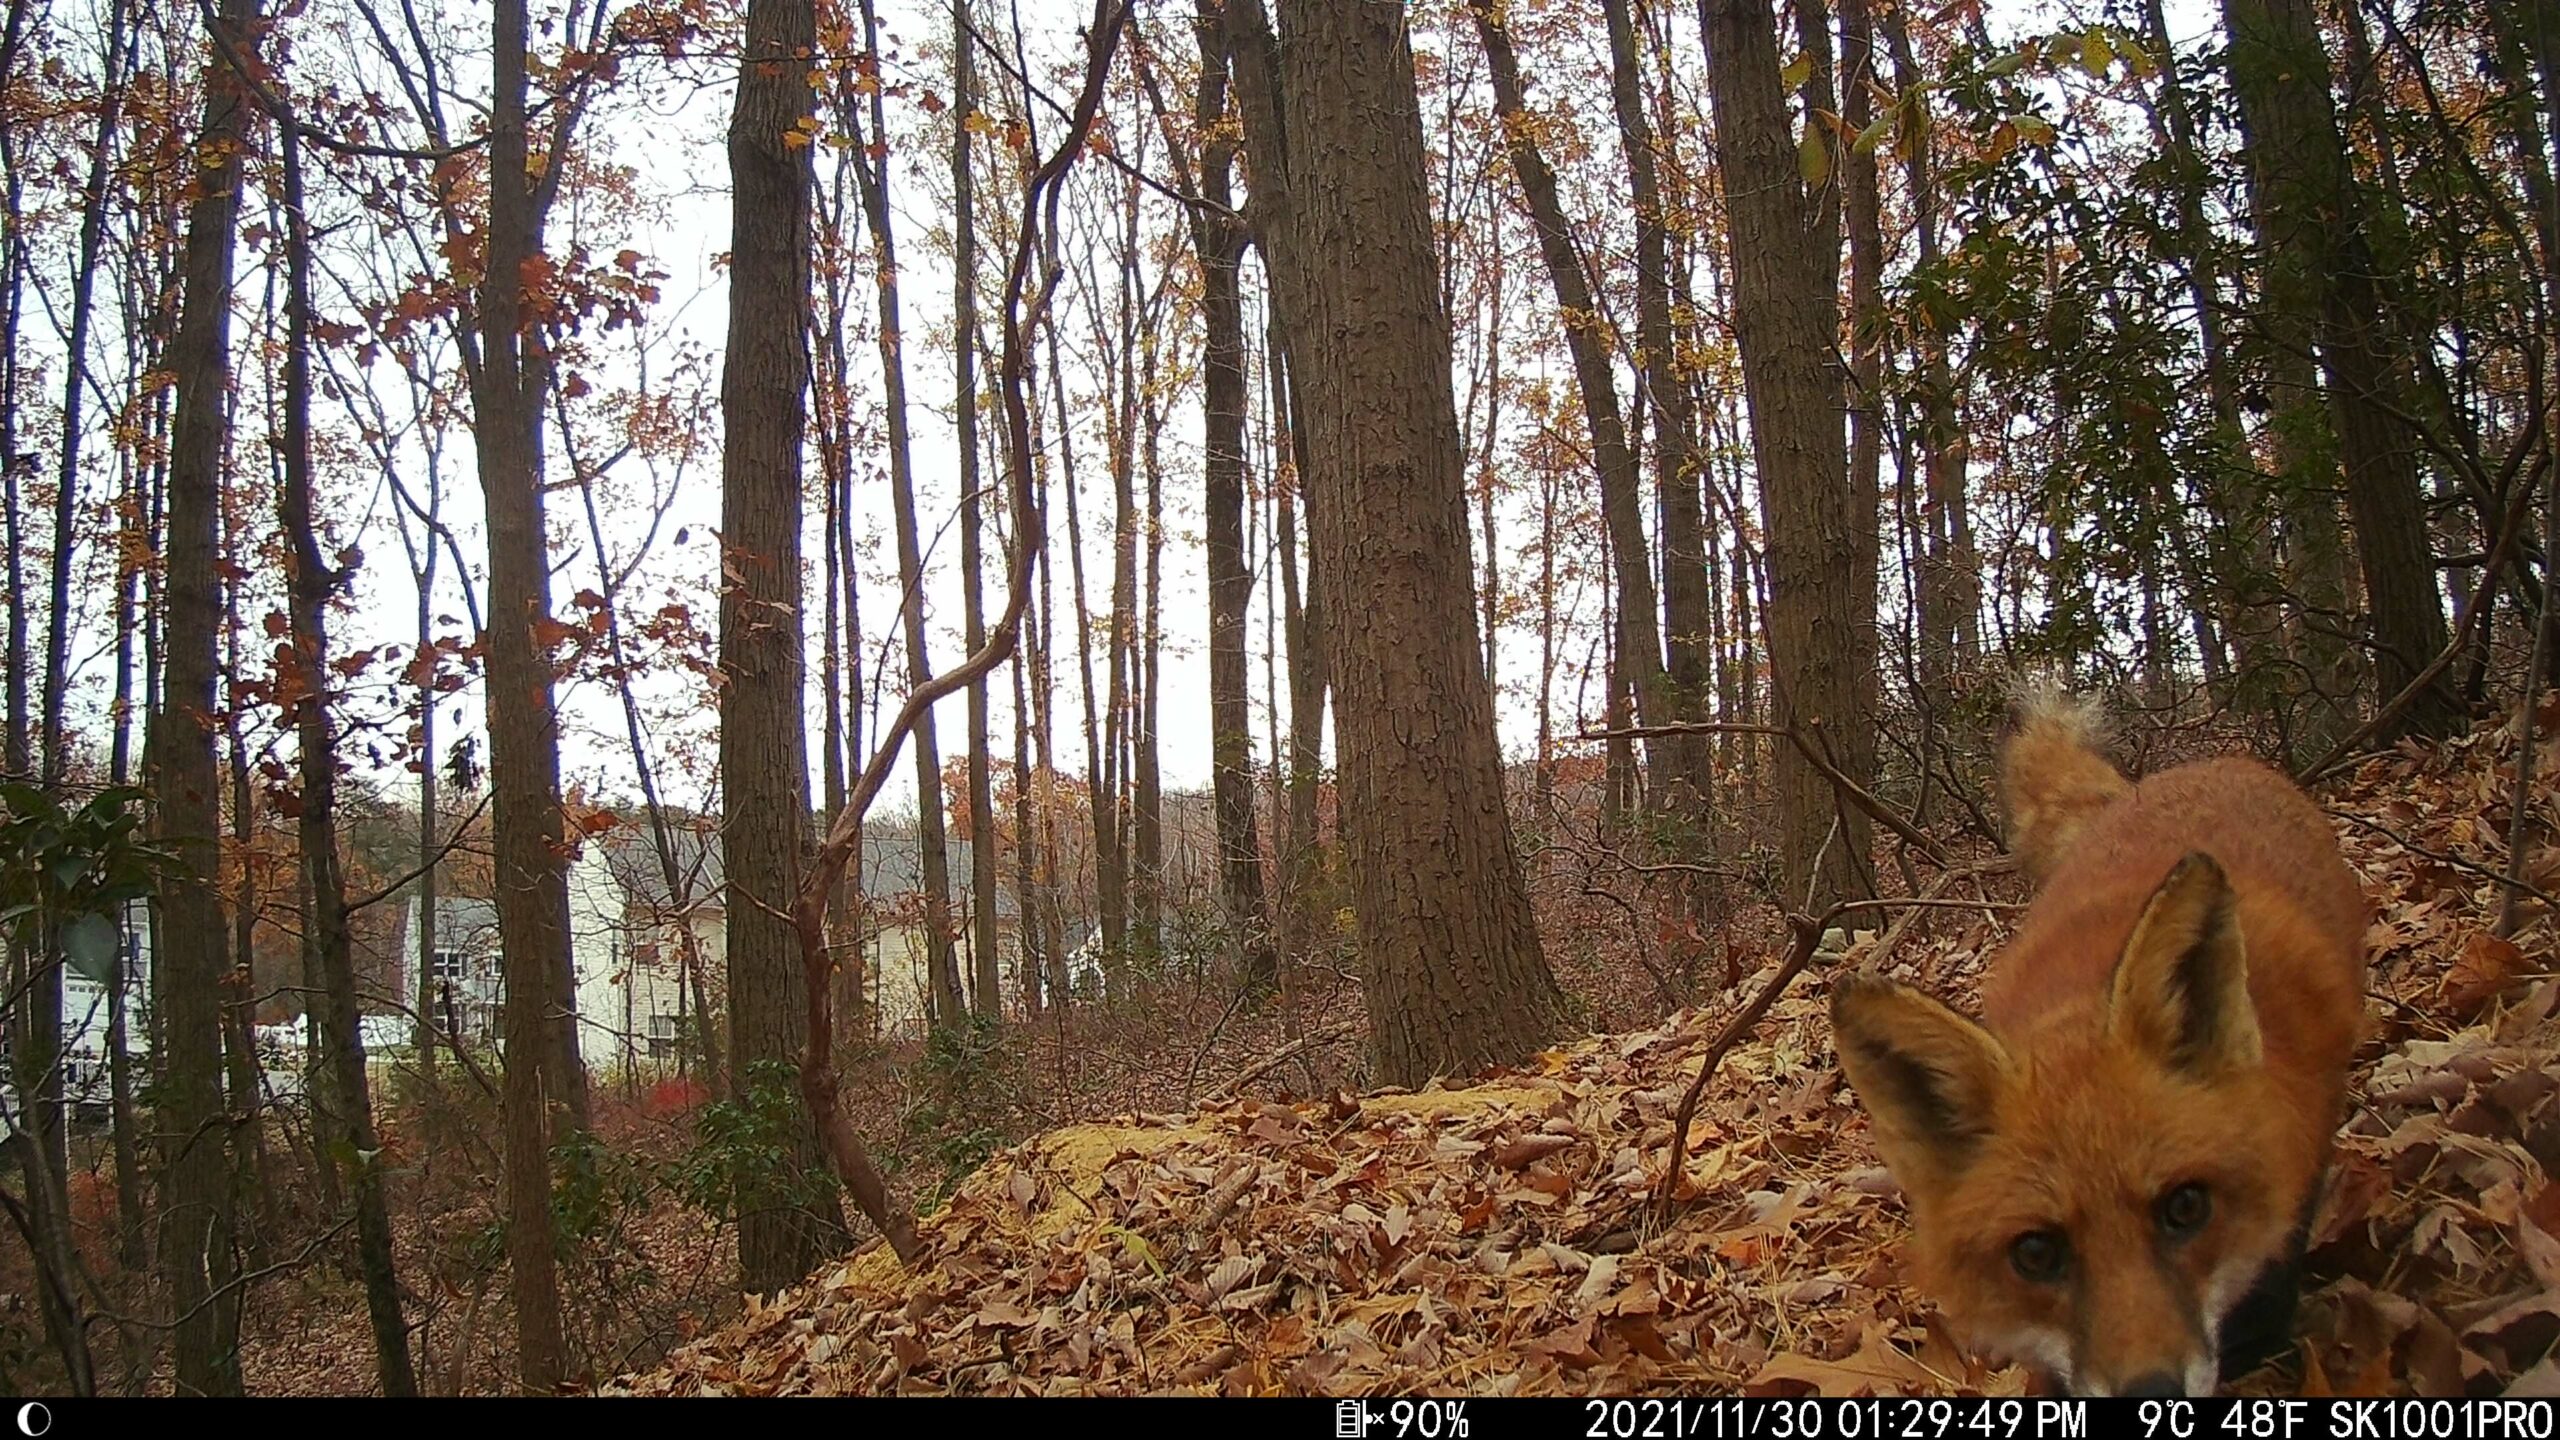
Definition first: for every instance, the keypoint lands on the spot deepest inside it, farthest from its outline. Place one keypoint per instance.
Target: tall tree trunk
(1146, 770)
(987, 983)
(932, 845)
(132, 1221)
(1111, 798)
(1637, 641)
(1453, 974)
(836, 436)
(1108, 894)
(1821, 612)
(40, 1069)
(1044, 733)
(1302, 616)
(252, 1181)
(16, 466)
(2320, 274)
(1687, 598)
(1219, 247)
(1948, 580)
(327, 947)
(763, 737)
(196, 1241)
(1863, 207)
(524, 756)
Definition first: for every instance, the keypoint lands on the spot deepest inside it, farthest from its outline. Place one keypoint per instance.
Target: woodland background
(440, 437)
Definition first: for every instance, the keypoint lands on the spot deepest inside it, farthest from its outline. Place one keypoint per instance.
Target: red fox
(2111, 1178)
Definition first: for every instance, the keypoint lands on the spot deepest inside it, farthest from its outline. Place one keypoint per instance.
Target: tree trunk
(763, 737)
(2320, 275)
(1301, 858)
(1120, 646)
(1453, 973)
(1821, 609)
(524, 756)
(931, 843)
(1108, 895)
(1688, 600)
(987, 981)
(327, 947)
(1146, 770)
(196, 1242)
(1219, 247)
(1636, 647)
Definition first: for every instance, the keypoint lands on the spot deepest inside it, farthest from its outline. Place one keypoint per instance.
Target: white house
(85, 1015)
(646, 937)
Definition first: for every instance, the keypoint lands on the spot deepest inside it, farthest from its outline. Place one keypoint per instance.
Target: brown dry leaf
(1877, 1368)
(2354, 1186)
(1569, 1346)
(2486, 967)
(2541, 1252)
(1527, 1150)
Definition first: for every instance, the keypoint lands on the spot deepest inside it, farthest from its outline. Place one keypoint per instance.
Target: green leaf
(1797, 71)
(1813, 158)
(1873, 136)
(2034, 129)
(2095, 53)
(2009, 64)
(89, 947)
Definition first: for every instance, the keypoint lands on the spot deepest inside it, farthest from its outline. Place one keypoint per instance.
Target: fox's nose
(2158, 1385)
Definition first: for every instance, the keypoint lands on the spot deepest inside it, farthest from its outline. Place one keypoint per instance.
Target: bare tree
(327, 948)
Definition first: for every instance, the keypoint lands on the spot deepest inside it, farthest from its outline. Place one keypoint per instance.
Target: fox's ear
(1929, 1076)
(2181, 988)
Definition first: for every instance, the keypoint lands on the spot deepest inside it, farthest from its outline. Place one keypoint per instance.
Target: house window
(662, 1033)
(447, 966)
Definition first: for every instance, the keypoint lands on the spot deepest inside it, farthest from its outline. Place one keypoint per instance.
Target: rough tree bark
(763, 740)
(193, 955)
(2320, 272)
(524, 755)
(1453, 974)
(1218, 243)
(1821, 610)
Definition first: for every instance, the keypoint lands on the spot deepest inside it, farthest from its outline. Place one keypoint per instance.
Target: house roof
(631, 856)
(460, 920)
(892, 865)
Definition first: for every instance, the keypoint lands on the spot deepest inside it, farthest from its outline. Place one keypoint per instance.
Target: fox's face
(2097, 1195)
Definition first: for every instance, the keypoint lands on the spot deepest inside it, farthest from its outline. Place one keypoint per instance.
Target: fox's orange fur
(2173, 1020)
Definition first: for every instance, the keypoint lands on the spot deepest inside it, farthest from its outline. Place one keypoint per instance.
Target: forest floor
(1498, 1238)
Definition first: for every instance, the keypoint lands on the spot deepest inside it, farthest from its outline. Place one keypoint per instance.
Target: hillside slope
(1497, 1238)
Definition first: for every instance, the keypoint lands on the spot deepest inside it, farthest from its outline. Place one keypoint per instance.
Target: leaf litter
(1498, 1238)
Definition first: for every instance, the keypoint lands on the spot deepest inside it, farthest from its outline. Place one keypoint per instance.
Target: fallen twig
(1281, 1057)
(1808, 932)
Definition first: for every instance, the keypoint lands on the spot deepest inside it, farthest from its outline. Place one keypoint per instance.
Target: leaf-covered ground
(1498, 1238)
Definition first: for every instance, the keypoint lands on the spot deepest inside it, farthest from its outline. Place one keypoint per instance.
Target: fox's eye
(2185, 1208)
(2039, 1255)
